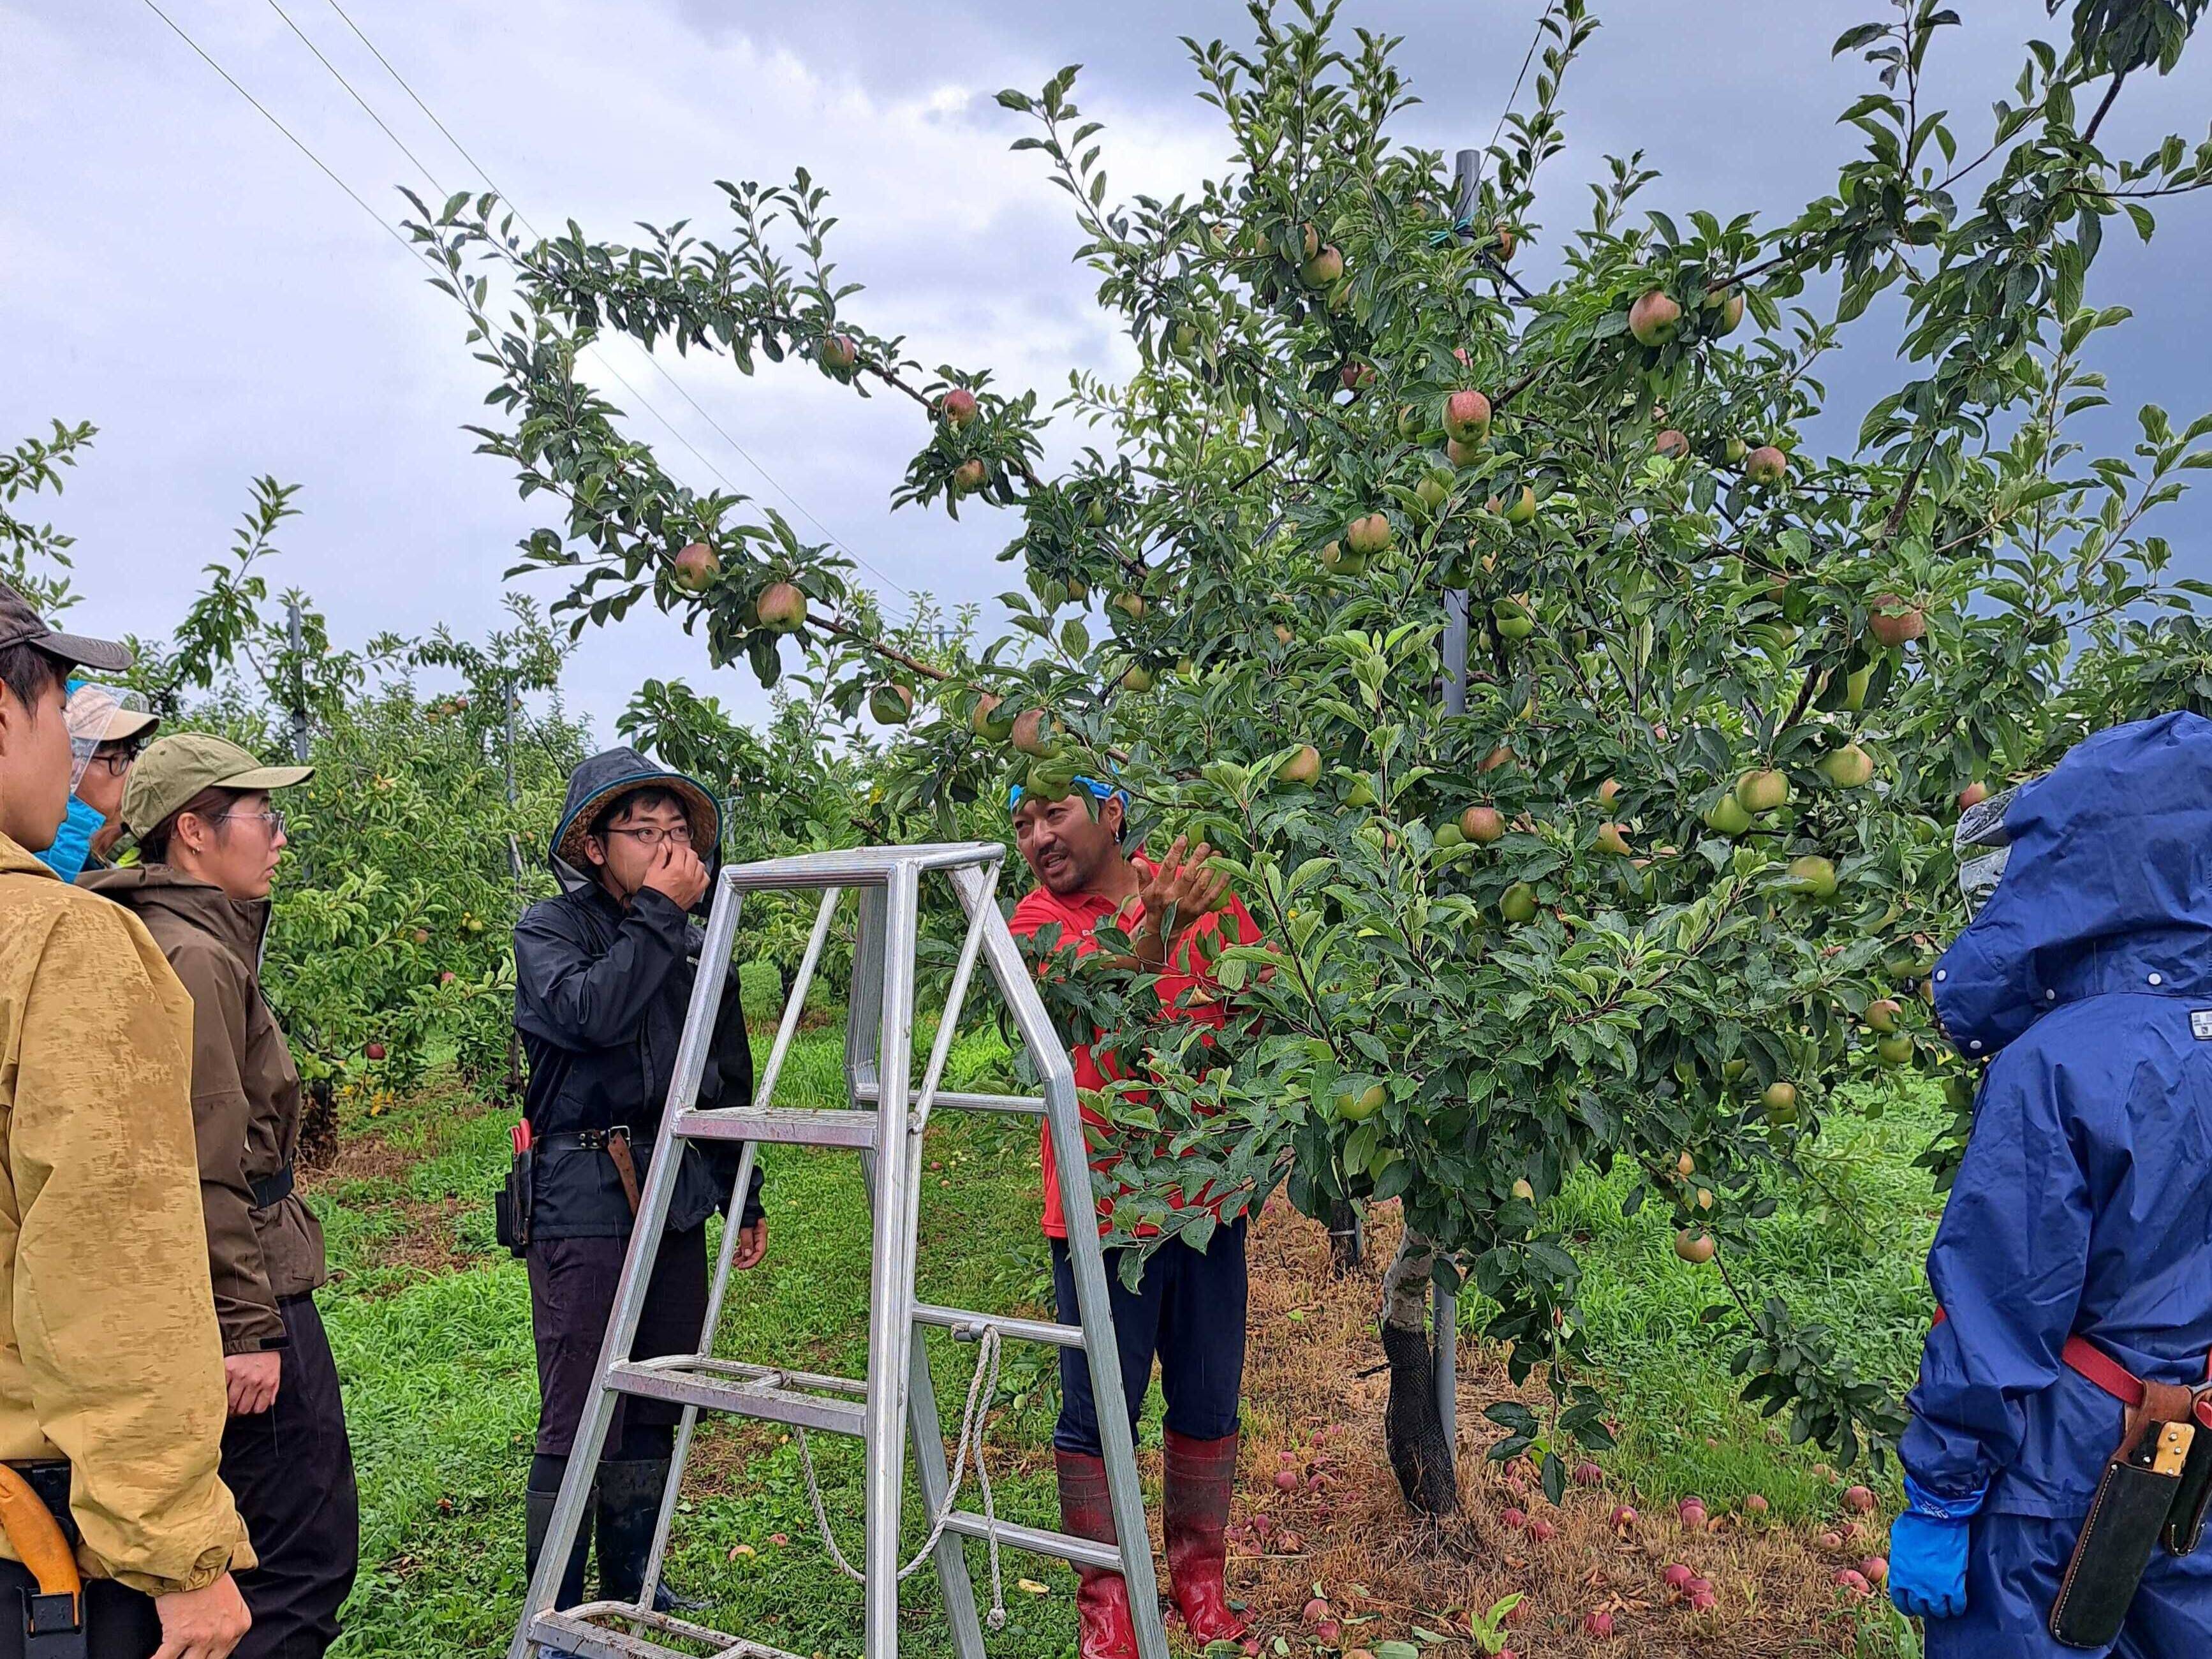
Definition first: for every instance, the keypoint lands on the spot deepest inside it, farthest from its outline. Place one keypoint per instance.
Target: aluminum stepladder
(898, 1401)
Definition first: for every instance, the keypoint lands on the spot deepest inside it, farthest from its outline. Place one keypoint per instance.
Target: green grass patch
(442, 1396)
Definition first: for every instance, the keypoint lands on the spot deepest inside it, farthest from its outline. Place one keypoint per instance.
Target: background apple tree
(1679, 869)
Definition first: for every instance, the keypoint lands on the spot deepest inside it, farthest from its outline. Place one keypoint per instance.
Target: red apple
(1672, 444)
(1766, 465)
(695, 567)
(1858, 1498)
(1678, 1577)
(1851, 1579)
(1624, 1515)
(957, 406)
(1597, 1623)
(1973, 795)
(1829, 1540)
(1876, 1569)
(968, 477)
(1541, 1530)
(1702, 1601)
(782, 608)
(1356, 377)
(1515, 1518)
(1754, 1504)
(1316, 1610)
(1692, 1515)
(1894, 620)
(374, 1051)
(1655, 318)
(1286, 1480)
(448, 977)
(1588, 1473)
(1466, 417)
(838, 354)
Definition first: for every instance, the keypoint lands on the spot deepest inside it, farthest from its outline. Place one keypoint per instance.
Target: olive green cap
(175, 769)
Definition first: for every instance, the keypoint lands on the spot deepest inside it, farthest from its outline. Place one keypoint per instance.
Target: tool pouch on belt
(510, 1204)
(2184, 1527)
(2134, 1500)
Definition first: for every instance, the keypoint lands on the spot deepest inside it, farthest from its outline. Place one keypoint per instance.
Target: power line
(356, 97)
(659, 369)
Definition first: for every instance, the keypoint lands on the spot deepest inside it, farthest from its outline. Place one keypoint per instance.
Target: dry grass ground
(1310, 1370)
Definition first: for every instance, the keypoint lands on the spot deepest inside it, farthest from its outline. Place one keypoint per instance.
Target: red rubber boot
(1102, 1598)
(1202, 1478)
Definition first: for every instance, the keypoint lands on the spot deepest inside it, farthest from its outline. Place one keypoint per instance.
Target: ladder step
(869, 1093)
(969, 1327)
(1036, 1540)
(792, 1127)
(724, 1385)
(578, 1632)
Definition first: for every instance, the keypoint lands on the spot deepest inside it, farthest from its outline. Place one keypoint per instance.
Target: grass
(430, 1323)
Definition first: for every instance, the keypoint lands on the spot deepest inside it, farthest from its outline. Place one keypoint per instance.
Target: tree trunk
(1347, 1238)
(1420, 1445)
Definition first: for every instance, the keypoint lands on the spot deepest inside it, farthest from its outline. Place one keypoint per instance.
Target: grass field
(430, 1323)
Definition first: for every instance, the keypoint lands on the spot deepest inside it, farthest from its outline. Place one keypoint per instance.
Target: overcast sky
(173, 271)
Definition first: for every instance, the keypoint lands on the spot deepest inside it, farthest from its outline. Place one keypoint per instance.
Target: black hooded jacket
(600, 996)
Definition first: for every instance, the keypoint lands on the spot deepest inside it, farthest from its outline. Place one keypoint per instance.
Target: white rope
(982, 1389)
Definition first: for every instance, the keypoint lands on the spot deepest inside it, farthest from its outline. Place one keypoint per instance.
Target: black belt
(272, 1189)
(579, 1140)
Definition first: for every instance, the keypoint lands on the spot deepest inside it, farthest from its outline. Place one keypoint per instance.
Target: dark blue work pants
(1188, 1309)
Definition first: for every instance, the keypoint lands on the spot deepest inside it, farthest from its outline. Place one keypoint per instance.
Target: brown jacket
(108, 1351)
(246, 1098)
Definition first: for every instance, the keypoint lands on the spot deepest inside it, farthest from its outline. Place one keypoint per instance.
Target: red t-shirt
(1079, 916)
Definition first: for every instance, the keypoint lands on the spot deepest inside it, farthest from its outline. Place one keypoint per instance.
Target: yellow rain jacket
(109, 1353)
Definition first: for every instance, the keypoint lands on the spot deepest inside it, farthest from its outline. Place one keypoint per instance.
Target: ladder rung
(790, 1127)
(747, 1390)
(867, 1094)
(970, 1326)
(578, 1631)
(1037, 1541)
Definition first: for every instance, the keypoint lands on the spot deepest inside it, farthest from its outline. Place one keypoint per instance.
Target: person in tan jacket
(210, 839)
(111, 1366)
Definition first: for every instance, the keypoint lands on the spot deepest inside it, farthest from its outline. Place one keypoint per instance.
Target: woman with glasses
(209, 841)
(602, 975)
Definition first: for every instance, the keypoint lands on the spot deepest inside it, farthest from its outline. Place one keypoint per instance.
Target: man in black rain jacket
(603, 979)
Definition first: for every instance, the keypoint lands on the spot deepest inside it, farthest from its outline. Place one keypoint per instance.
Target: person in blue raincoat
(2084, 1204)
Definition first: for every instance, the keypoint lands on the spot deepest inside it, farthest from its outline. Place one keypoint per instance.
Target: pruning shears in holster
(53, 1614)
(512, 1204)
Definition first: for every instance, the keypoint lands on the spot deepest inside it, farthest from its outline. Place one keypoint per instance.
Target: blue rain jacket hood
(2084, 1203)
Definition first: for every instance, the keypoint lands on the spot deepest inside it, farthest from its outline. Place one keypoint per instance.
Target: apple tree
(1679, 866)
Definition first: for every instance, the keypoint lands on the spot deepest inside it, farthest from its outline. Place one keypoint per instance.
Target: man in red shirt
(1188, 1308)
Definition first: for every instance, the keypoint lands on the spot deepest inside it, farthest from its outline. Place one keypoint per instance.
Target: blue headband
(1101, 792)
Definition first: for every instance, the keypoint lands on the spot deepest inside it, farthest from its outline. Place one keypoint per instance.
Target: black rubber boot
(629, 1507)
(539, 1509)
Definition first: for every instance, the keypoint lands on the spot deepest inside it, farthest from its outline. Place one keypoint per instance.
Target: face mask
(73, 841)
(1983, 848)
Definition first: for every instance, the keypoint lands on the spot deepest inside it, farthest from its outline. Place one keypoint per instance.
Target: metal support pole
(293, 638)
(891, 1318)
(515, 864)
(1444, 1333)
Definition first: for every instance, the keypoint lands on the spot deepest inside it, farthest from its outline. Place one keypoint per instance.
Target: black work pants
(1188, 1309)
(572, 1297)
(291, 1470)
(118, 1623)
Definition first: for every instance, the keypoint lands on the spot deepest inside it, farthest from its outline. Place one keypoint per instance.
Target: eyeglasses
(273, 821)
(115, 762)
(650, 835)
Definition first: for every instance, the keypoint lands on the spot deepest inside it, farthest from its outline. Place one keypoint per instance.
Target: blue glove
(1928, 1553)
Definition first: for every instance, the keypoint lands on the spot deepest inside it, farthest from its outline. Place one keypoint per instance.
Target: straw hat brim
(698, 806)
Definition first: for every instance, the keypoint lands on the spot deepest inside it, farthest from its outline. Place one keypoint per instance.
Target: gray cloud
(171, 269)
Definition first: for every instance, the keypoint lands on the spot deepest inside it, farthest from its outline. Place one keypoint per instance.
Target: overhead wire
(414, 252)
(657, 367)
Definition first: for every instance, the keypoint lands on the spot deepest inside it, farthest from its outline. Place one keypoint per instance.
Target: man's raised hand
(1184, 884)
(677, 873)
